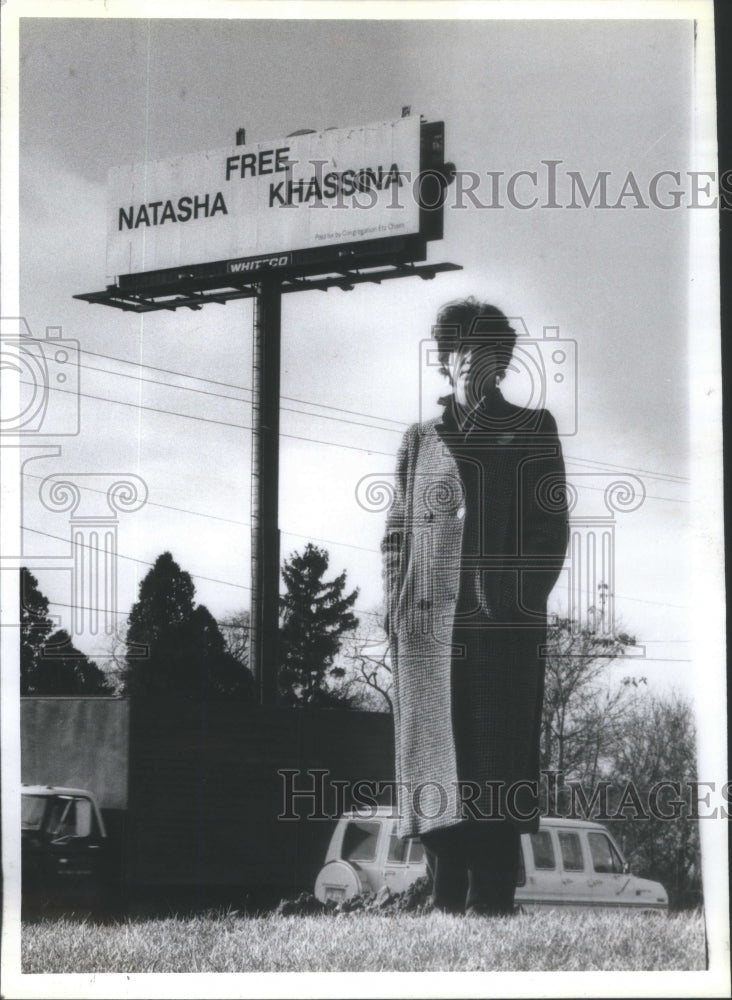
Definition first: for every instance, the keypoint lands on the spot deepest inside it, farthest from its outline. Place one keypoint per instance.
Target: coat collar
(484, 422)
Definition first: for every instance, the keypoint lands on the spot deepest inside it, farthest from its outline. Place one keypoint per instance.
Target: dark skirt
(497, 692)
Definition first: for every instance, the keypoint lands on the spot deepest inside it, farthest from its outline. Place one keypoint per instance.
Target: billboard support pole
(264, 622)
(265, 277)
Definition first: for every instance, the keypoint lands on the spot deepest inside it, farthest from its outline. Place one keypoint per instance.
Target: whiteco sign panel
(315, 190)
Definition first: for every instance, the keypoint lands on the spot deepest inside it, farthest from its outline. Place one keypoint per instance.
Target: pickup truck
(568, 863)
(64, 849)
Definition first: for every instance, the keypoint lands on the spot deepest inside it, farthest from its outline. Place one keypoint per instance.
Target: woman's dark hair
(468, 320)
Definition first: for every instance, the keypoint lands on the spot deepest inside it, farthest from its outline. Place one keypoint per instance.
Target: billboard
(255, 205)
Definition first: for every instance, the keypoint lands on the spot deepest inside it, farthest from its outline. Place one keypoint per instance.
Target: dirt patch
(415, 899)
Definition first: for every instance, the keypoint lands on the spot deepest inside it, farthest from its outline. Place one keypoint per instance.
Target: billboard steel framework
(318, 269)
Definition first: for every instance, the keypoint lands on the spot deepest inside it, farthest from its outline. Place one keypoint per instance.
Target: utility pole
(264, 622)
(298, 266)
(265, 535)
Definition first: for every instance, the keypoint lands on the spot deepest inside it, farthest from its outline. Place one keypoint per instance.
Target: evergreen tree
(50, 664)
(165, 599)
(186, 655)
(35, 628)
(62, 669)
(315, 615)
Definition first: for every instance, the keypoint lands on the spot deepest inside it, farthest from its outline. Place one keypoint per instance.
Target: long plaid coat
(475, 540)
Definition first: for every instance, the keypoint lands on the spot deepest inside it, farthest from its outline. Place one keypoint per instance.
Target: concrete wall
(192, 792)
(81, 742)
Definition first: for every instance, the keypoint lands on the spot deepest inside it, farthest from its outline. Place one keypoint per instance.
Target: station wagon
(567, 863)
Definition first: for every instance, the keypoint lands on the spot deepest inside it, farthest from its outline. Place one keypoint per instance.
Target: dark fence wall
(205, 802)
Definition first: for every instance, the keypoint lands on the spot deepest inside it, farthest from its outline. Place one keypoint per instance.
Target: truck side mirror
(626, 868)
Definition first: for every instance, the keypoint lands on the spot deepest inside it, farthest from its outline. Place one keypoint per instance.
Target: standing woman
(474, 543)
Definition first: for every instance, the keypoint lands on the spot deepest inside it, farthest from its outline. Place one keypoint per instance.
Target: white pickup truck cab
(64, 847)
(568, 863)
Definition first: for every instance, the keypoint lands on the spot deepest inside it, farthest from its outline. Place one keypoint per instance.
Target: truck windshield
(32, 810)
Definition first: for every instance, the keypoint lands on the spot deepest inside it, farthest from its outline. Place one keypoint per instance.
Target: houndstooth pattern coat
(475, 540)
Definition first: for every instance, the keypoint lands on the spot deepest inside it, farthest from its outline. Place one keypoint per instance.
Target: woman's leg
(492, 853)
(446, 864)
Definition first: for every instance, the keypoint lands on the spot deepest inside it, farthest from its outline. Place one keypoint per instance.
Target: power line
(330, 541)
(326, 541)
(82, 607)
(364, 636)
(646, 496)
(140, 406)
(94, 548)
(227, 623)
(216, 517)
(233, 399)
(371, 416)
(166, 371)
(143, 562)
(401, 425)
(153, 503)
(242, 388)
(653, 659)
(337, 444)
(294, 437)
(210, 420)
(681, 480)
(168, 385)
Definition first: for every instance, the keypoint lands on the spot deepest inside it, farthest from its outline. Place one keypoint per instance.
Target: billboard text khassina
(272, 203)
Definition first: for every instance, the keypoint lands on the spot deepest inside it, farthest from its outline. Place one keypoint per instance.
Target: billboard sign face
(261, 202)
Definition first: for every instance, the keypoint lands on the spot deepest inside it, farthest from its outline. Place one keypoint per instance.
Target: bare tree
(235, 630)
(654, 753)
(581, 710)
(367, 655)
(114, 657)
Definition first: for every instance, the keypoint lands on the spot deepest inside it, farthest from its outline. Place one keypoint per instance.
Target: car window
(571, 851)
(605, 859)
(360, 840)
(62, 817)
(397, 849)
(543, 850)
(521, 871)
(32, 810)
(416, 852)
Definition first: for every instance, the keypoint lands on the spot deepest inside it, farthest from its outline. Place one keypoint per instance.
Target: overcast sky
(597, 96)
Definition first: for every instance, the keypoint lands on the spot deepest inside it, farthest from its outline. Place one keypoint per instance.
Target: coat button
(424, 604)
(460, 513)
(429, 516)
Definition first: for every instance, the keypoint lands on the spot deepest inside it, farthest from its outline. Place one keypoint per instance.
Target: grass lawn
(567, 941)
